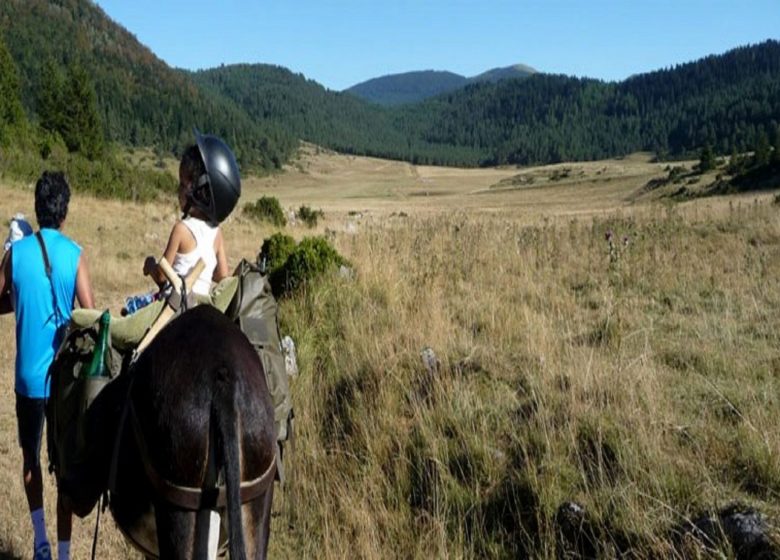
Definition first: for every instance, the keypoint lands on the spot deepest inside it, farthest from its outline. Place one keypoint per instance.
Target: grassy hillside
(639, 387)
(635, 374)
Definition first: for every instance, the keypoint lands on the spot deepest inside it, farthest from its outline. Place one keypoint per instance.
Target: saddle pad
(127, 332)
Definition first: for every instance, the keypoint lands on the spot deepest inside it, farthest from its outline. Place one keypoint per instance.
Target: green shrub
(309, 216)
(676, 173)
(109, 177)
(291, 266)
(275, 251)
(266, 209)
(106, 177)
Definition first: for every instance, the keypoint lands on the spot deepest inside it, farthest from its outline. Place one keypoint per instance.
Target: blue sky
(340, 43)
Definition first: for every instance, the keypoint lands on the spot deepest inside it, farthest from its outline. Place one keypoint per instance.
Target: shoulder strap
(46, 262)
(47, 265)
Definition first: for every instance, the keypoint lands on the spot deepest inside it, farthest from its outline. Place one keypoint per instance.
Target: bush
(311, 258)
(266, 209)
(275, 251)
(110, 177)
(309, 216)
(676, 173)
(291, 266)
(105, 177)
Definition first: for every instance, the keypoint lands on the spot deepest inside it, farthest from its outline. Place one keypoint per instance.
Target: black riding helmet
(216, 192)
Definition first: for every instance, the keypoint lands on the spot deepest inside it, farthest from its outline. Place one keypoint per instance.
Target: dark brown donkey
(197, 436)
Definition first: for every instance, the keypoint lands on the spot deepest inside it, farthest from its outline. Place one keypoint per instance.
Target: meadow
(511, 340)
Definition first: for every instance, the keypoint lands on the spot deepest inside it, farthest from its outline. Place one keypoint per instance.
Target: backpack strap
(46, 262)
(47, 266)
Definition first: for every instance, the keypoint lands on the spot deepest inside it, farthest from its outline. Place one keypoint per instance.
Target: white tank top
(205, 235)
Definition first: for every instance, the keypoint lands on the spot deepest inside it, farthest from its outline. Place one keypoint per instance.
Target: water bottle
(134, 303)
(97, 366)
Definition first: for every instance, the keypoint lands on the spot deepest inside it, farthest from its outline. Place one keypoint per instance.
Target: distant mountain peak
(524, 68)
(418, 85)
(408, 87)
(504, 73)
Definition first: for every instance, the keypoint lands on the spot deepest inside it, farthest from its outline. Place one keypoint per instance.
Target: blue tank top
(36, 320)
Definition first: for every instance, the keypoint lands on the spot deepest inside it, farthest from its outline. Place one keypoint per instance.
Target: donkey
(196, 436)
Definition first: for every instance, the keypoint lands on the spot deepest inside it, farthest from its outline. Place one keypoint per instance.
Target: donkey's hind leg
(178, 534)
(256, 518)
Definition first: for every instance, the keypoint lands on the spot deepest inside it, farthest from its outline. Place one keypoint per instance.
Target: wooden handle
(166, 315)
(194, 273)
(172, 277)
(168, 312)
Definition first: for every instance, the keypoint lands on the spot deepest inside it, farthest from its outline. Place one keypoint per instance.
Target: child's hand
(150, 264)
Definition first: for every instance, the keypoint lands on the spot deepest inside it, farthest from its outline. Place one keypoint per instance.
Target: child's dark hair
(52, 195)
(193, 168)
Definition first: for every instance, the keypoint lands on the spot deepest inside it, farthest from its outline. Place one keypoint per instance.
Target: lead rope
(183, 294)
(97, 524)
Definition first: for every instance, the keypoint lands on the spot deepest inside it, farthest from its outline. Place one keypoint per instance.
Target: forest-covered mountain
(307, 110)
(140, 99)
(407, 87)
(412, 87)
(728, 101)
(504, 73)
(70, 50)
(303, 108)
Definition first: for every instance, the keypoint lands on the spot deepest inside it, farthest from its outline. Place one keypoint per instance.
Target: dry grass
(643, 386)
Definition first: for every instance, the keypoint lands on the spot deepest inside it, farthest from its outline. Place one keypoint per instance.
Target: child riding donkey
(194, 269)
(209, 187)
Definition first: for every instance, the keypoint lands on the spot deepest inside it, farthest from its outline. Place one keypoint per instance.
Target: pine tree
(11, 112)
(81, 128)
(762, 151)
(50, 101)
(706, 159)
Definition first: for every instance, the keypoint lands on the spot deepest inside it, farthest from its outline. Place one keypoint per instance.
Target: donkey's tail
(227, 424)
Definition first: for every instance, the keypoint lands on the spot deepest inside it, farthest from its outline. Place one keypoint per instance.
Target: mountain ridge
(418, 85)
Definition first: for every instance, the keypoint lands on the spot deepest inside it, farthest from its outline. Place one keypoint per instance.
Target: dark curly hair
(193, 168)
(52, 195)
(192, 162)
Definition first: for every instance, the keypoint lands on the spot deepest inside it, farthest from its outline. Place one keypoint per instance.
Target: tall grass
(636, 375)
(637, 379)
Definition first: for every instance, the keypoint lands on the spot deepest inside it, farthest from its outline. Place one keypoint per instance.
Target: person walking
(42, 275)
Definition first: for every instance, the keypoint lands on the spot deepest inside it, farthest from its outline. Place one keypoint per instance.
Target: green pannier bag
(254, 309)
(82, 416)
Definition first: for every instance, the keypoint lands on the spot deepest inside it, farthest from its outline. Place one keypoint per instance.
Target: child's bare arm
(174, 241)
(221, 271)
